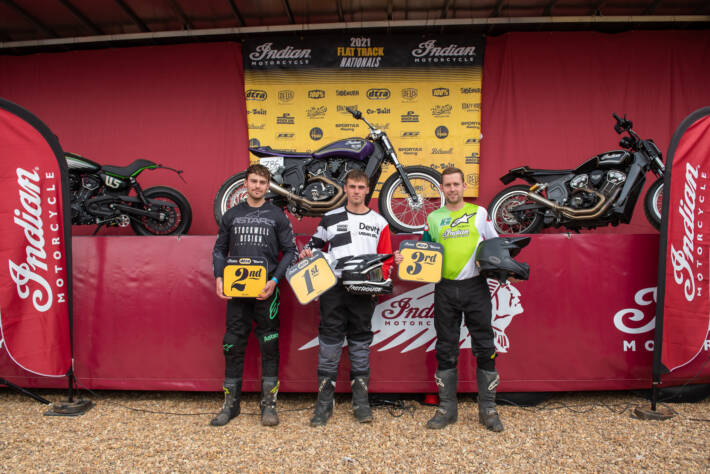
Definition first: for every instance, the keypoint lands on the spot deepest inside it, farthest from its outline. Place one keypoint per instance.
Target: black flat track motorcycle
(601, 191)
(311, 184)
(100, 196)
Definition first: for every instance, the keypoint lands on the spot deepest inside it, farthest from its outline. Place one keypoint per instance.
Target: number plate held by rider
(423, 261)
(245, 277)
(311, 277)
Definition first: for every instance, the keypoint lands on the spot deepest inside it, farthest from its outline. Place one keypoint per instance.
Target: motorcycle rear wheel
(402, 212)
(653, 203)
(231, 193)
(499, 211)
(178, 218)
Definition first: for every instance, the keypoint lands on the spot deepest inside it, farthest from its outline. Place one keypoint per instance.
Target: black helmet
(495, 258)
(363, 275)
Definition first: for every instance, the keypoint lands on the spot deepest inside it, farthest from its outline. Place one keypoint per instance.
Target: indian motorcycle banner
(683, 316)
(425, 93)
(35, 278)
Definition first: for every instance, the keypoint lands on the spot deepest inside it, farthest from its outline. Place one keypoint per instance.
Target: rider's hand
(398, 257)
(219, 284)
(305, 253)
(267, 291)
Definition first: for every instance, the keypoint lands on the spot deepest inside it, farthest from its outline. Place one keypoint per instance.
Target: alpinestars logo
(462, 220)
(406, 322)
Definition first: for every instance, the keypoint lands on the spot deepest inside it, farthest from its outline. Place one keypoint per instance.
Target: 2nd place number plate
(245, 277)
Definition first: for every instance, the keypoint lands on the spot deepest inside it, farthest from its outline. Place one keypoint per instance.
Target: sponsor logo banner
(36, 279)
(424, 91)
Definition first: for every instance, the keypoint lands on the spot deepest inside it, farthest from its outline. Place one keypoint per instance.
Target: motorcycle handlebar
(354, 112)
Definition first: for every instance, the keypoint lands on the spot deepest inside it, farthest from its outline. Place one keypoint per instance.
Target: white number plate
(273, 163)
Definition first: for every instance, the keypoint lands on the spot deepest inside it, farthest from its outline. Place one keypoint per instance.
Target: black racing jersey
(246, 231)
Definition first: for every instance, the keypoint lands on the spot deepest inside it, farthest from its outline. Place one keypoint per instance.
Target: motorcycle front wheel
(499, 211)
(403, 212)
(231, 193)
(653, 203)
(176, 220)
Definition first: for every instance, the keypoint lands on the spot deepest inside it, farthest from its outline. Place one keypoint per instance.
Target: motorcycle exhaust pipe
(580, 214)
(308, 204)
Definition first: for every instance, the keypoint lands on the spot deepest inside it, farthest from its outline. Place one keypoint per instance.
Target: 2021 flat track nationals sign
(35, 281)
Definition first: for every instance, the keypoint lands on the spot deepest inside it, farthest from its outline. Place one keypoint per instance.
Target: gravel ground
(589, 431)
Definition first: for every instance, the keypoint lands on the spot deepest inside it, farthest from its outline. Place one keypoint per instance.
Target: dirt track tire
(504, 221)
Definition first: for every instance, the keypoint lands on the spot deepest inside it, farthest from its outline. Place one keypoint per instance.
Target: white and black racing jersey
(349, 235)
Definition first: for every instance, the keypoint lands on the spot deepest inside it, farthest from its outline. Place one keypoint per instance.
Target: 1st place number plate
(245, 277)
(311, 277)
(423, 261)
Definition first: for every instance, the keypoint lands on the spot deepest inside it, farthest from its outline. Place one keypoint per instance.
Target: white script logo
(407, 320)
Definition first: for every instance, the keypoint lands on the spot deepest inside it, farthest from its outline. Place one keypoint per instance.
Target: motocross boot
(447, 413)
(487, 414)
(361, 402)
(230, 409)
(325, 403)
(269, 391)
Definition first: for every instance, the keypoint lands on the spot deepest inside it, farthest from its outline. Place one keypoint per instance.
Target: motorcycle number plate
(272, 163)
(423, 261)
(245, 277)
(310, 278)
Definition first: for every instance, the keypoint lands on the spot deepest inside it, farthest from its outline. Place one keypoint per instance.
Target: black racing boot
(487, 414)
(325, 403)
(361, 401)
(447, 413)
(269, 391)
(230, 409)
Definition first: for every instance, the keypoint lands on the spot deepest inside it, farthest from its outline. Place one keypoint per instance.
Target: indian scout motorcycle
(311, 184)
(601, 191)
(100, 196)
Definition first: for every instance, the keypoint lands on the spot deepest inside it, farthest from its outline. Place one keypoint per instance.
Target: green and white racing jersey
(459, 232)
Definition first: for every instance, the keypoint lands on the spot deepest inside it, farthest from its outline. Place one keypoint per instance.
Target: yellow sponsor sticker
(311, 277)
(423, 261)
(245, 277)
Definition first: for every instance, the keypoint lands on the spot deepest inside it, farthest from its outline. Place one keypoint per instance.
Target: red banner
(685, 317)
(147, 318)
(35, 286)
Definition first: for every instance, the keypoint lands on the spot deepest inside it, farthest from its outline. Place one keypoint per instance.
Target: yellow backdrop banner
(424, 93)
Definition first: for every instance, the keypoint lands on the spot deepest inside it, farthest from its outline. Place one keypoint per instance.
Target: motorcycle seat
(129, 170)
(267, 151)
(542, 172)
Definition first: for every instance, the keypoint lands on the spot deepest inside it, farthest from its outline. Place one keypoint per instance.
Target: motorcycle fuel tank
(610, 159)
(354, 148)
(79, 163)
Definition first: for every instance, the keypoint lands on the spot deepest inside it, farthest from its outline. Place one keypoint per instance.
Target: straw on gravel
(571, 432)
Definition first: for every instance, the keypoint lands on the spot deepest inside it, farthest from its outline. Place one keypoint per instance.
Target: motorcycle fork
(389, 150)
(636, 172)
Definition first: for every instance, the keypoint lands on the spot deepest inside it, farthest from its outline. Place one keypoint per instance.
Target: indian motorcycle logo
(406, 322)
(34, 275)
(639, 322)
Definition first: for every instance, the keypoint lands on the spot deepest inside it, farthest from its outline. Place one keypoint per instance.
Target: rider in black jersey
(253, 228)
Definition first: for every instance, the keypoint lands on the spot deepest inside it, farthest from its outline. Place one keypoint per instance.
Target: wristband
(276, 280)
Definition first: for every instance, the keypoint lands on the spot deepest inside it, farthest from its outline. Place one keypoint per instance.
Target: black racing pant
(470, 298)
(241, 312)
(344, 314)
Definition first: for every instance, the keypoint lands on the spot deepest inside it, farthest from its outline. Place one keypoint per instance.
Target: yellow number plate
(245, 277)
(310, 278)
(422, 262)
